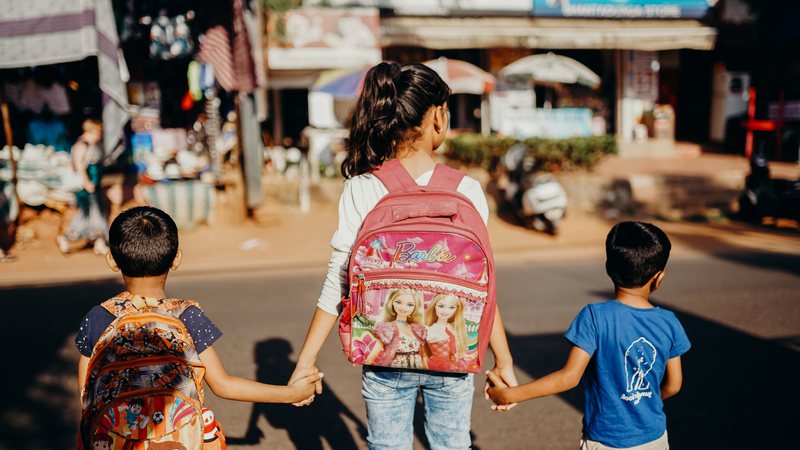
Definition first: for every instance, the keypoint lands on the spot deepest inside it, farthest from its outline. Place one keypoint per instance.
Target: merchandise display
(44, 175)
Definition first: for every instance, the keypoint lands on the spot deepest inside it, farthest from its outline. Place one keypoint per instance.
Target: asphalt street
(740, 309)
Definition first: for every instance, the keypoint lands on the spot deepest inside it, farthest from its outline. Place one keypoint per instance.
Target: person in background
(88, 225)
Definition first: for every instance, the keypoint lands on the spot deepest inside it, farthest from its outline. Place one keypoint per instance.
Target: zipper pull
(360, 290)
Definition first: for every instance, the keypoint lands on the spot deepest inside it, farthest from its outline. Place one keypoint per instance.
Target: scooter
(764, 197)
(537, 197)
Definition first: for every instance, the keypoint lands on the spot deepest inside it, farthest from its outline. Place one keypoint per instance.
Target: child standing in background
(88, 225)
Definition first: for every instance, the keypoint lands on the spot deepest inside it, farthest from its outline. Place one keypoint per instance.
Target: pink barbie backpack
(423, 251)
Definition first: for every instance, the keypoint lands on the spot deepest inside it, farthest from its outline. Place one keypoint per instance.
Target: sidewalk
(288, 239)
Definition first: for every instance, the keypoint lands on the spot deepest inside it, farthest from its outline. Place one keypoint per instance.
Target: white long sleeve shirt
(360, 195)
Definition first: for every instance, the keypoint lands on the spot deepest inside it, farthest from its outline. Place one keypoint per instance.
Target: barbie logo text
(406, 252)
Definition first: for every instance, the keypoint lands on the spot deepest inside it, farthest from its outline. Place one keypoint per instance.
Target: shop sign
(623, 9)
(439, 7)
(547, 123)
(791, 110)
(310, 39)
(641, 75)
(500, 101)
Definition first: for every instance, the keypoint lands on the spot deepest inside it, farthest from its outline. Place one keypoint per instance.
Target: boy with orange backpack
(144, 356)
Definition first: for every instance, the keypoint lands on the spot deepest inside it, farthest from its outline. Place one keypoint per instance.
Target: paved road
(741, 310)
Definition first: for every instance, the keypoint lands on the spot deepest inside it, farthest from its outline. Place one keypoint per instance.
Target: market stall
(514, 111)
(42, 43)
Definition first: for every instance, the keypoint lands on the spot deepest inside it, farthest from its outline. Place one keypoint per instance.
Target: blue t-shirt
(629, 348)
(200, 327)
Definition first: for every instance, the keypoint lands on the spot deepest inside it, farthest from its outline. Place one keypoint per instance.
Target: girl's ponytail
(394, 100)
(374, 121)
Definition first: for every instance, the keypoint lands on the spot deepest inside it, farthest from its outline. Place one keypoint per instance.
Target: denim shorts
(659, 444)
(391, 396)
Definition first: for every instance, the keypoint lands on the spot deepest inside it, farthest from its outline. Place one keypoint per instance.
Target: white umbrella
(463, 77)
(550, 68)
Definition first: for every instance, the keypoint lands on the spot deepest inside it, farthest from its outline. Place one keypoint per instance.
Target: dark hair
(392, 104)
(102, 437)
(635, 251)
(143, 241)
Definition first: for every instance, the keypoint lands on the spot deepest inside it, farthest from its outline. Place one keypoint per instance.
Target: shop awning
(292, 79)
(487, 32)
(38, 32)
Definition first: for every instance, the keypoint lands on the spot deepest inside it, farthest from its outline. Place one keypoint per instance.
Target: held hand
(307, 385)
(504, 375)
(302, 372)
(88, 187)
(496, 388)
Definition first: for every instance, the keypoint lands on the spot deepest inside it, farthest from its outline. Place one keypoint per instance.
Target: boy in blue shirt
(629, 350)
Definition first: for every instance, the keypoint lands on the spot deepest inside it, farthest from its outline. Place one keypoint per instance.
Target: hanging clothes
(48, 132)
(30, 96)
(40, 33)
(254, 19)
(226, 46)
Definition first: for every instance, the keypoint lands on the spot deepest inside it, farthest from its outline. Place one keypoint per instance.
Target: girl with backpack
(399, 120)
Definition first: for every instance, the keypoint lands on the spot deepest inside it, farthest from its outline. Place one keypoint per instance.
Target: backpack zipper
(136, 317)
(146, 362)
(362, 279)
(413, 274)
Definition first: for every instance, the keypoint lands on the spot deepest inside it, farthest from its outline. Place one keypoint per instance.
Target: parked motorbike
(537, 197)
(764, 197)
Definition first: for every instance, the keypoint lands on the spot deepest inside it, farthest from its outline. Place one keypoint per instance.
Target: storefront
(644, 51)
(60, 65)
(167, 79)
(304, 44)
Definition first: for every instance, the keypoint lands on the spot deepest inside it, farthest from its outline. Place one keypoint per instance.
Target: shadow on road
(739, 391)
(38, 385)
(307, 426)
(723, 249)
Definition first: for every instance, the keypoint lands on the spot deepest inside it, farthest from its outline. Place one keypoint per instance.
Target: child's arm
(559, 381)
(673, 378)
(236, 388)
(503, 363)
(322, 323)
(83, 367)
(79, 152)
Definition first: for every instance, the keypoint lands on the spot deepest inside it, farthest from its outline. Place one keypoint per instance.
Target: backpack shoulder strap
(446, 178)
(394, 176)
(177, 306)
(125, 303)
(119, 305)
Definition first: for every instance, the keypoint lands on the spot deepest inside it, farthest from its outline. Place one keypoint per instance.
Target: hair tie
(395, 70)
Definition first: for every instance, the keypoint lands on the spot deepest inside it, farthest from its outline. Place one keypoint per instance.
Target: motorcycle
(764, 197)
(537, 197)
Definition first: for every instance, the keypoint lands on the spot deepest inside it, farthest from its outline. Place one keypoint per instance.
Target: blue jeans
(391, 396)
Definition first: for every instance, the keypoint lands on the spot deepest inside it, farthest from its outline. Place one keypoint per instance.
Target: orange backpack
(144, 383)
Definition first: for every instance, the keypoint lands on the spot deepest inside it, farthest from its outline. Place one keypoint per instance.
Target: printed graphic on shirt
(639, 359)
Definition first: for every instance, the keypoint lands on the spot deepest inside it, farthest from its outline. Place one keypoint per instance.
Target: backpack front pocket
(139, 419)
(416, 320)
